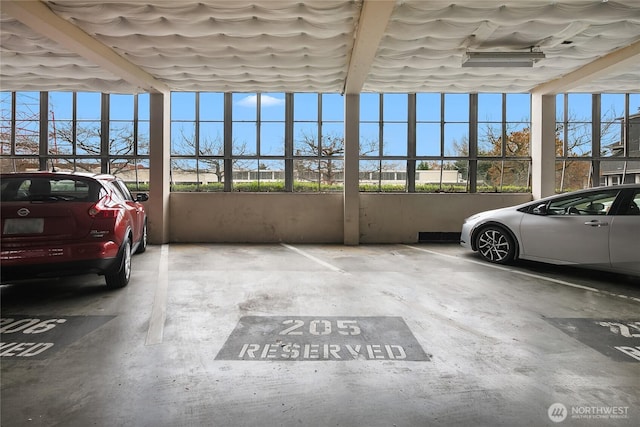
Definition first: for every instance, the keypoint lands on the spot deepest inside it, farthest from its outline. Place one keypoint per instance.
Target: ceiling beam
(592, 71)
(39, 18)
(373, 21)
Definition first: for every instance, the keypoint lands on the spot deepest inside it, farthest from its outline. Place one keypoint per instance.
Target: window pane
(184, 175)
(369, 141)
(121, 107)
(611, 124)
(306, 176)
(211, 139)
(395, 107)
(572, 175)
(393, 176)
(244, 139)
(428, 139)
(60, 137)
(579, 139)
(456, 139)
(272, 139)
(121, 138)
(504, 176)
(490, 107)
(305, 142)
(332, 107)
(489, 139)
(333, 139)
(518, 107)
(272, 107)
(88, 106)
(144, 111)
(211, 106)
(518, 137)
(428, 107)
(60, 106)
(27, 106)
(456, 107)
(305, 107)
(143, 138)
(211, 174)
(183, 138)
(88, 138)
(395, 139)
(369, 107)
(270, 175)
(183, 106)
(369, 175)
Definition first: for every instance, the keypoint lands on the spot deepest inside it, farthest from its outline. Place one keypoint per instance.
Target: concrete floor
(323, 335)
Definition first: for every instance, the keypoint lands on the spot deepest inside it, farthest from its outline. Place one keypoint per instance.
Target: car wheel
(142, 246)
(120, 277)
(496, 245)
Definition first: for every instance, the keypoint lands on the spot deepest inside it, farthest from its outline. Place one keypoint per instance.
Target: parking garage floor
(323, 335)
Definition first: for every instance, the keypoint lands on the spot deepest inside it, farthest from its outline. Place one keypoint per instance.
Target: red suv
(56, 224)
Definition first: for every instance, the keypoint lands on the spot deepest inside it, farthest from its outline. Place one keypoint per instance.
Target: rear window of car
(49, 189)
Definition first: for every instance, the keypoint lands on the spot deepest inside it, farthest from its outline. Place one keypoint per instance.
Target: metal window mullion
(596, 137)
(43, 136)
(12, 148)
(565, 133)
(380, 138)
(411, 144)
(319, 126)
(258, 126)
(135, 130)
(228, 141)
(74, 126)
(472, 167)
(104, 133)
(626, 139)
(288, 142)
(197, 139)
(504, 135)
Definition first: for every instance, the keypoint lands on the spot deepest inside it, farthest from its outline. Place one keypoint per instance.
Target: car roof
(104, 177)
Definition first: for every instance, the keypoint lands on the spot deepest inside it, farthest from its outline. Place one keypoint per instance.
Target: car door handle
(596, 223)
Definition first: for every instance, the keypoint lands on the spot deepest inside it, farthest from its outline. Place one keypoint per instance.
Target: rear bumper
(57, 260)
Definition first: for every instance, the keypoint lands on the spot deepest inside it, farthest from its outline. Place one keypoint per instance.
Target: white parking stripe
(311, 257)
(159, 311)
(524, 273)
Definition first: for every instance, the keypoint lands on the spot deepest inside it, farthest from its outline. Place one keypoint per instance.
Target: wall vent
(438, 237)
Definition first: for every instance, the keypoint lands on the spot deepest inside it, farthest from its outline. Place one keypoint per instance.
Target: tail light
(104, 208)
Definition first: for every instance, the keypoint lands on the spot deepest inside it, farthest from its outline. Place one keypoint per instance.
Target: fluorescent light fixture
(501, 59)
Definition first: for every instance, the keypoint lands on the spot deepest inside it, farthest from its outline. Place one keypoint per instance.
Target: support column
(159, 167)
(543, 145)
(351, 169)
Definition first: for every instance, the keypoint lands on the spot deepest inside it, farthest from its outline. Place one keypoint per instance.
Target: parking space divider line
(311, 257)
(159, 311)
(524, 273)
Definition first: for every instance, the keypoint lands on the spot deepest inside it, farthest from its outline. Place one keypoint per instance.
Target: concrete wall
(256, 217)
(398, 218)
(318, 218)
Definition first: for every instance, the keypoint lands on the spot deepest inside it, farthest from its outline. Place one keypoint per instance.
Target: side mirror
(540, 210)
(142, 197)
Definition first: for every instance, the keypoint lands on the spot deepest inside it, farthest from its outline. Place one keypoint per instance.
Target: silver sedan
(597, 228)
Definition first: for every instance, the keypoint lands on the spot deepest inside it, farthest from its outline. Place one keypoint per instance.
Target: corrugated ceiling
(311, 46)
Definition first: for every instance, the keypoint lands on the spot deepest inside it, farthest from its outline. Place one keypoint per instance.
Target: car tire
(142, 246)
(496, 245)
(119, 278)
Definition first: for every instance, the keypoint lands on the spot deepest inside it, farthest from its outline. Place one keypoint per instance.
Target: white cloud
(267, 101)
